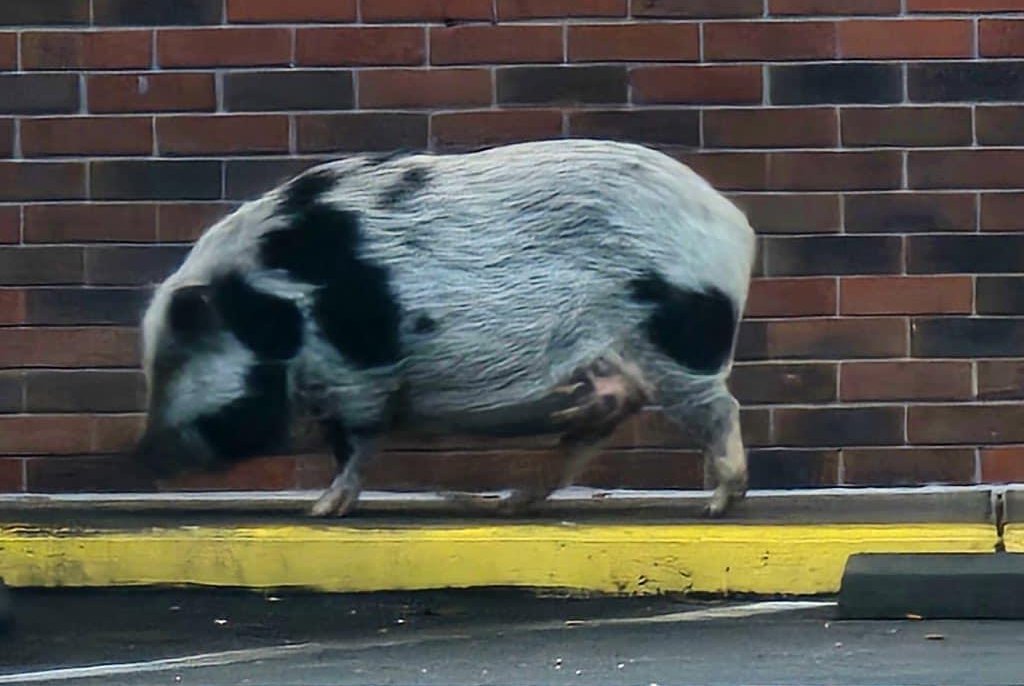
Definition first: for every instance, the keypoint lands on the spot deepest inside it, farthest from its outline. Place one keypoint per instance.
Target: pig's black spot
(406, 186)
(190, 313)
(386, 157)
(424, 324)
(255, 424)
(353, 306)
(306, 190)
(268, 325)
(694, 328)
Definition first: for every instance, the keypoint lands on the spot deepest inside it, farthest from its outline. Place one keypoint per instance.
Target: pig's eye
(191, 313)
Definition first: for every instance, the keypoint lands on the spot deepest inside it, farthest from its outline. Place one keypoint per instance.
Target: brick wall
(876, 144)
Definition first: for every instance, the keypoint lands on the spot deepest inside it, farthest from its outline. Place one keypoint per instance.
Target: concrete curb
(619, 543)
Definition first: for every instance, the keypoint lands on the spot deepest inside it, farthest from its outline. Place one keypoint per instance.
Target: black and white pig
(539, 288)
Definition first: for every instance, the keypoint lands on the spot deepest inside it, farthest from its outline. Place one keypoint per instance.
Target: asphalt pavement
(195, 636)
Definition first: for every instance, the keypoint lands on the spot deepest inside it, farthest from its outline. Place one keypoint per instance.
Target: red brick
(1000, 125)
(905, 39)
(12, 306)
(771, 128)
(34, 180)
(222, 135)
(160, 92)
(838, 426)
(908, 466)
(860, 381)
(260, 11)
(714, 84)
(92, 222)
(424, 88)
(906, 126)
(697, 9)
(950, 6)
(1002, 465)
(186, 221)
(223, 47)
(10, 224)
(426, 10)
(652, 429)
(463, 129)
(769, 40)
(1002, 212)
(746, 171)
(495, 44)
(966, 424)
(1001, 379)
(77, 474)
(6, 137)
(839, 7)
(790, 213)
(966, 169)
(117, 433)
(791, 297)
(824, 339)
(260, 474)
(11, 472)
(45, 434)
(360, 46)
(68, 347)
(824, 171)
(87, 136)
(131, 49)
(634, 42)
(535, 9)
(8, 51)
(1000, 38)
(906, 295)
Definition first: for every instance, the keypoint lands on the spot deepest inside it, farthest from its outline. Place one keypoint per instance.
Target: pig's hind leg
(351, 453)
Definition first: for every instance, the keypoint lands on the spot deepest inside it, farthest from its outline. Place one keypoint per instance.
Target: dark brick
(245, 179)
(274, 11)
(92, 222)
(12, 306)
(909, 212)
(38, 93)
(697, 9)
(11, 386)
(967, 337)
(22, 12)
(533, 9)
(1000, 295)
(966, 424)
(494, 127)
(966, 168)
(918, 380)
(135, 265)
(361, 132)
(84, 391)
(823, 339)
(261, 473)
(75, 474)
(906, 295)
(825, 171)
(21, 181)
(783, 383)
(965, 81)
(839, 426)
(791, 297)
(770, 128)
(1001, 379)
(776, 469)
(830, 255)
(666, 127)
(1002, 212)
(791, 213)
(122, 306)
(288, 90)
(952, 6)
(907, 466)
(809, 84)
(651, 429)
(1000, 125)
(157, 12)
(965, 254)
(158, 180)
(6, 137)
(30, 265)
(825, 7)
(561, 85)
(427, 10)
(907, 126)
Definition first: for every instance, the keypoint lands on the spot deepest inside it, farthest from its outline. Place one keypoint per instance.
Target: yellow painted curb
(631, 559)
(1013, 538)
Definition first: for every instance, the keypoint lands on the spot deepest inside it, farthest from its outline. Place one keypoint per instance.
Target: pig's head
(216, 359)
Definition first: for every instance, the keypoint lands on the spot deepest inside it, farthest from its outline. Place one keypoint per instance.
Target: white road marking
(230, 657)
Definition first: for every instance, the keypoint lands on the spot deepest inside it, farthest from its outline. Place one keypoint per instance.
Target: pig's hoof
(335, 502)
(721, 502)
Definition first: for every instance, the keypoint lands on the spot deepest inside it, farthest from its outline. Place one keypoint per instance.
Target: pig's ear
(191, 312)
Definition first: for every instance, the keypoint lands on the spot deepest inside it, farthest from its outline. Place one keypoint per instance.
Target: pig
(545, 288)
